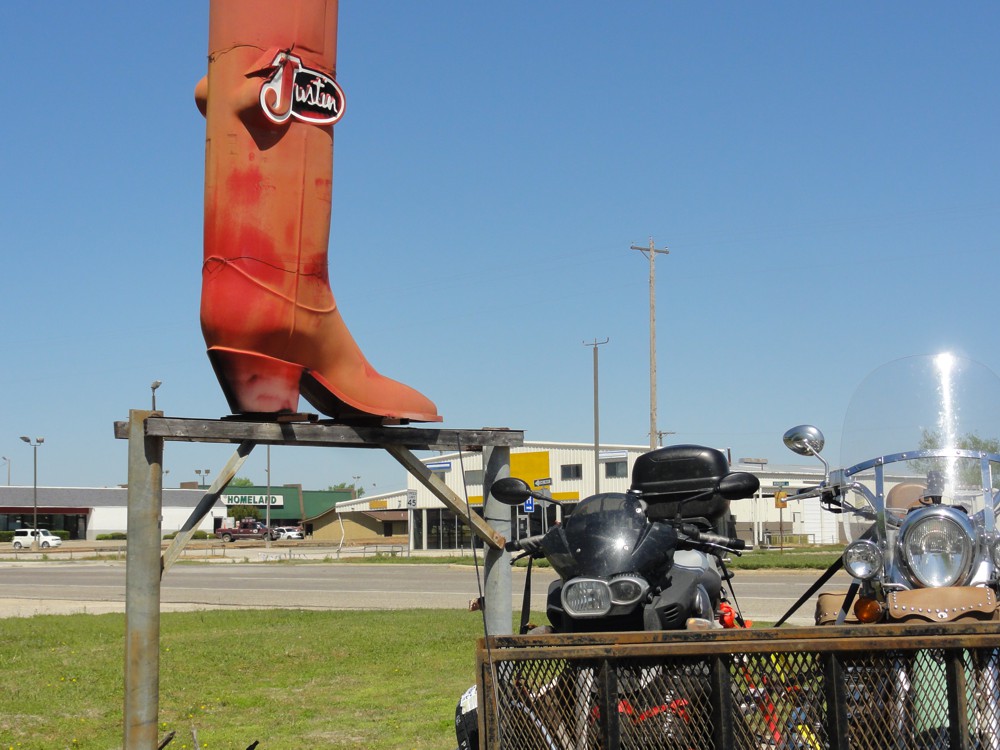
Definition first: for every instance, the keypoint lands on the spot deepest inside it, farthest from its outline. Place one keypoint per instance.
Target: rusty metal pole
(498, 608)
(142, 584)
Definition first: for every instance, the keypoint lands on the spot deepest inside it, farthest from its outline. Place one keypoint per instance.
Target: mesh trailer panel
(905, 687)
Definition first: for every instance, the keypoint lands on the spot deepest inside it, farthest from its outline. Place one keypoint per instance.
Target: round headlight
(937, 546)
(628, 589)
(863, 559)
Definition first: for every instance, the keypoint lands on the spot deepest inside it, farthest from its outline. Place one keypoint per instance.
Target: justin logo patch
(293, 90)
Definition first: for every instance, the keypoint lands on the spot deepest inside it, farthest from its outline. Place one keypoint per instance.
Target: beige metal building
(568, 472)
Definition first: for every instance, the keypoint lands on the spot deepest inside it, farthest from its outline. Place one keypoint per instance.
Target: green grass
(290, 679)
(790, 558)
(812, 558)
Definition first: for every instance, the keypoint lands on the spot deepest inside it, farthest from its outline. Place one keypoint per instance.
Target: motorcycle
(918, 503)
(648, 559)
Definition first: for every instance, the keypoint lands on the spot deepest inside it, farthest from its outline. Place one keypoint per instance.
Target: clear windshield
(924, 431)
(599, 538)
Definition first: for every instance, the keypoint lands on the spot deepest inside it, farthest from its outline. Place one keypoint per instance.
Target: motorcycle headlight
(627, 590)
(937, 546)
(595, 597)
(863, 559)
(586, 597)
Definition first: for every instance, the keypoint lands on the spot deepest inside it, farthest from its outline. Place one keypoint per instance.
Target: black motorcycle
(648, 559)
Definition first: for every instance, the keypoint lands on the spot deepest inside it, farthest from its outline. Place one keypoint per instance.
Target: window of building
(615, 469)
(572, 471)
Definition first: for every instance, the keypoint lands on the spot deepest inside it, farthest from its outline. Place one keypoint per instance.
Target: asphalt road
(28, 588)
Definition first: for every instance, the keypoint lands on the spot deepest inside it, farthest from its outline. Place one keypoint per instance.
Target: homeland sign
(277, 501)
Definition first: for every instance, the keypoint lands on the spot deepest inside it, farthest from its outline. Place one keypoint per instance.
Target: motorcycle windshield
(599, 538)
(923, 431)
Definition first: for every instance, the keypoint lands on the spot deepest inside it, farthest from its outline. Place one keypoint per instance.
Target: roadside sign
(781, 483)
(529, 505)
(411, 498)
(543, 482)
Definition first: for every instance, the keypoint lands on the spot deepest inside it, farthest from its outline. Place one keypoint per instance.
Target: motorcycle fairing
(693, 589)
(608, 534)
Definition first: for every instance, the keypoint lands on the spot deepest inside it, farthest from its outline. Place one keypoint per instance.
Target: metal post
(723, 713)
(34, 497)
(34, 519)
(267, 502)
(597, 419)
(498, 609)
(142, 584)
(652, 335)
(835, 692)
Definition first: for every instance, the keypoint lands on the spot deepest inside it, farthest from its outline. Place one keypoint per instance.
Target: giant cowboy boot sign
(270, 321)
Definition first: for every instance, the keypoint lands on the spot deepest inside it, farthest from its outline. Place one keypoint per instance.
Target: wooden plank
(958, 631)
(443, 492)
(322, 434)
(658, 644)
(222, 480)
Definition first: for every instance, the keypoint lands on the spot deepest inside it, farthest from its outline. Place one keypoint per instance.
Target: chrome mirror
(805, 440)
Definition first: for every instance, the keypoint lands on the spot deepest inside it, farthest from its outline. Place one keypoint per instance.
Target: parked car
(46, 539)
(289, 532)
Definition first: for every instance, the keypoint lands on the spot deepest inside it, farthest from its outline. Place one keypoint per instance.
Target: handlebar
(694, 534)
(530, 544)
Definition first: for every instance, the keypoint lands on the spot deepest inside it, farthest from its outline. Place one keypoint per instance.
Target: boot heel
(255, 382)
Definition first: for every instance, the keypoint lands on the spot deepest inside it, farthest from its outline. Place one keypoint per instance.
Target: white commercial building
(570, 472)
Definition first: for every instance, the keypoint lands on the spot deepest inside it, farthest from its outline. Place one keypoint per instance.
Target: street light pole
(7, 461)
(153, 386)
(267, 502)
(652, 252)
(34, 520)
(597, 419)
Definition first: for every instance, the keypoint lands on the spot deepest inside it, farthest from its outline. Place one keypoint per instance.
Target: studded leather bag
(943, 605)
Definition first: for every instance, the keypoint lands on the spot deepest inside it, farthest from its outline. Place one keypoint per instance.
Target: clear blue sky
(824, 174)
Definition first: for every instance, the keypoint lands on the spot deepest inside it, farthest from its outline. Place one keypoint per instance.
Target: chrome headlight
(863, 559)
(937, 545)
(595, 597)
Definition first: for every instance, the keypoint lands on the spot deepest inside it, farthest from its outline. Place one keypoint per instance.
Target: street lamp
(153, 386)
(199, 472)
(34, 521)
(7, 461)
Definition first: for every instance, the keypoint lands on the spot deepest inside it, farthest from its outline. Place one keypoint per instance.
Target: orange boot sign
(270, 321)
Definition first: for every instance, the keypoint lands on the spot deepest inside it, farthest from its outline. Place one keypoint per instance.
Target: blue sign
(529, 505)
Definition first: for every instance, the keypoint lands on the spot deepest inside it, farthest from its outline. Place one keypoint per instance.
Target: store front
(71, 520)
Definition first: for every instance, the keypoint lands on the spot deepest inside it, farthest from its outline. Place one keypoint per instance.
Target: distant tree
(245, 511)
(344, 486)
(969, 472)
(241, 482)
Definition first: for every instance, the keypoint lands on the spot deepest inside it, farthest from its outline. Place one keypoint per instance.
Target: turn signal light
(868, 610)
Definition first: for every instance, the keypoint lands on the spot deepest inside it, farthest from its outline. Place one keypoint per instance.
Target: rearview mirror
(510, 490)
(738, 485)
(805, 440)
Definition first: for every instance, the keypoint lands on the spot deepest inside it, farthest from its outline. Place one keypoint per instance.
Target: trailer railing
(919, 687)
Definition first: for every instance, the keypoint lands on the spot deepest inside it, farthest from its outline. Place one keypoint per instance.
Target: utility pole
(651, 252)
(597, 420)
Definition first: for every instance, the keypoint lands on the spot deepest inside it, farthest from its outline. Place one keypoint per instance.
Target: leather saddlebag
(943, 605)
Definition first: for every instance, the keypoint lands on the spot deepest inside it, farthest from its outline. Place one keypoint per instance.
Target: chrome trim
(962, 520)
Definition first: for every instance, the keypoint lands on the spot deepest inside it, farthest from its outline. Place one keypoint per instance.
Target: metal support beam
(142, 584)
(146, 432)
(222, 480)
(444, 493)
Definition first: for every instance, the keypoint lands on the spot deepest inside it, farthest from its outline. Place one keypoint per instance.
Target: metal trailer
(873, 687)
